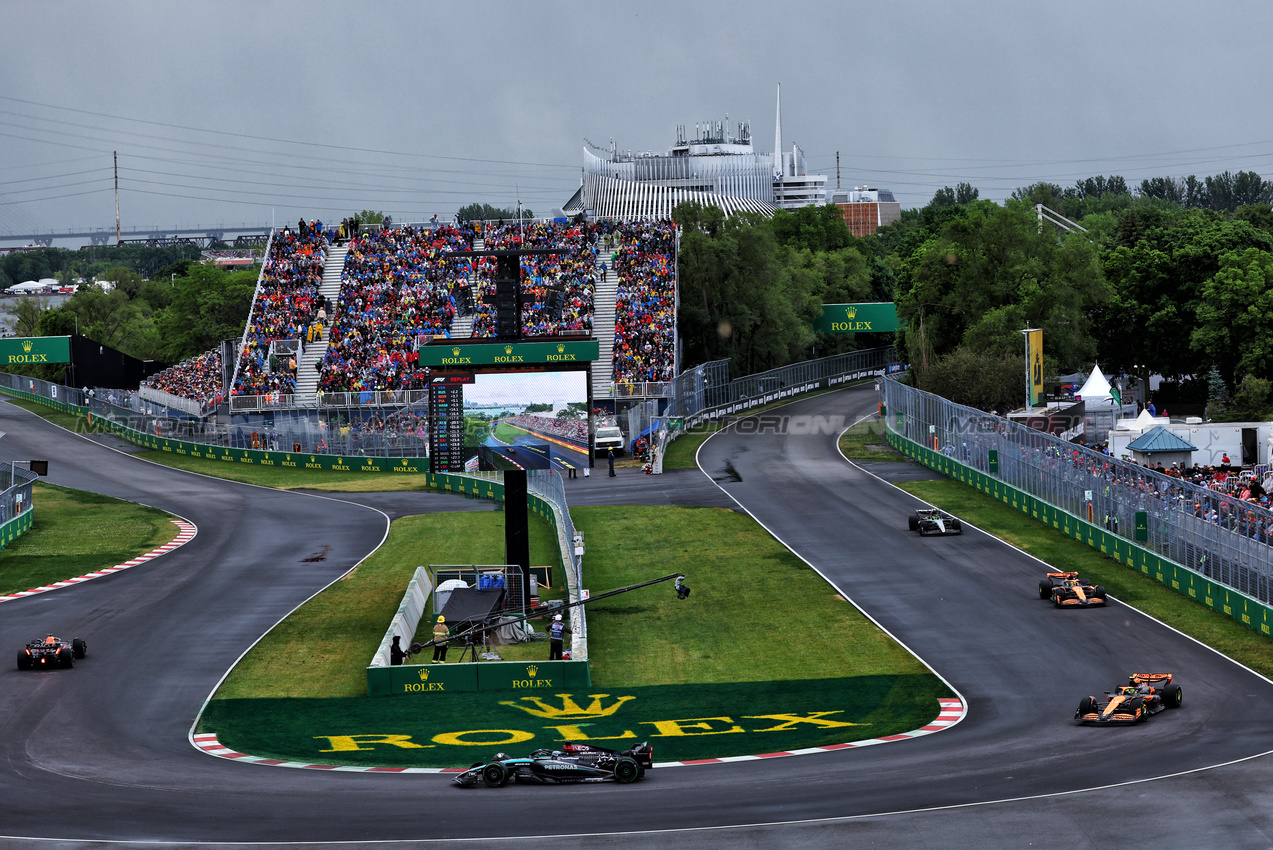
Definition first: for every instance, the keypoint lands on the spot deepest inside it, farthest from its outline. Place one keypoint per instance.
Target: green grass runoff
(322, 650)
(76, 532)
(736, 625)
(864, 441)
(681, 722)
(1126, 584)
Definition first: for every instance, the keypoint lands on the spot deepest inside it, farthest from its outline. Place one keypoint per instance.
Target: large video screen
(527, 420)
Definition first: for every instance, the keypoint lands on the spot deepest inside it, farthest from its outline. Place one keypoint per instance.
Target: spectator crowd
(198, 378)
(398, 291)
(285, 306)
(571, 274)
(645, 304)
(574, 430)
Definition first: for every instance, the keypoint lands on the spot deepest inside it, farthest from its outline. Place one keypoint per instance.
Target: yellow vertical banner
(1034, 364)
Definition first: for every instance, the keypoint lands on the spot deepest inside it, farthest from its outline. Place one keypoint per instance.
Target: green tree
(486, 212)
(1235, 315)
(370, 217)
(963, 194)
(1250, 401)
(813, 228)
(977, 379)
(25, 313)
(207, 306)
(985, 276)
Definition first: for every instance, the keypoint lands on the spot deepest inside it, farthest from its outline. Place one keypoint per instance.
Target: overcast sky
(235, 113)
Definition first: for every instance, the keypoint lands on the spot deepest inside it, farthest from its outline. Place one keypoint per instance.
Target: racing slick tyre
(1045, 589)
(66, 657)
(494, 775)
(626, 770)
(24, 661)
(1173, 696)
(79, 648)
(957, 527)
(1098, 592)
(912, 522)
(1088, 706)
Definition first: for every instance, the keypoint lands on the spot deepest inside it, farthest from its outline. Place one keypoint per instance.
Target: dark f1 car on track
(1068, 590)
(52, 651)
(1145, 694)
(933, 521)
(572, 763)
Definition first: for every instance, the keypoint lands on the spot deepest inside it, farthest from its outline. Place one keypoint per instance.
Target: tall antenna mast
(837, 170)
(115, 156)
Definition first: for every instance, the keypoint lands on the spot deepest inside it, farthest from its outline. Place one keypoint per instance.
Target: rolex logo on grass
(569, 710)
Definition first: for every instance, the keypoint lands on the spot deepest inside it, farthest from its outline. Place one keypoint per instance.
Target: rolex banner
(38, 349)
(1034, 362)
(875, 317)
(461, 354)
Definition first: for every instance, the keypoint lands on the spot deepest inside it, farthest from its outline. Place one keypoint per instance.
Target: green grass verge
(509, 433)
(680, 454)
(682, 723)
(323, 649)
(1128, 585)
(76, 532)
(737, 624)
(864, 441)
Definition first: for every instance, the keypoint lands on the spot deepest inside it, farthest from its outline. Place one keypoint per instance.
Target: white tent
(1096, 388)
(1145, 421)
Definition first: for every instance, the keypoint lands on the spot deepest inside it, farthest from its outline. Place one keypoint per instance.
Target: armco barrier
(1217, 597)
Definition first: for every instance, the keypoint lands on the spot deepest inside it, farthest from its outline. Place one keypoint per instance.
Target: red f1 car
(52, 651)
(1143, 695)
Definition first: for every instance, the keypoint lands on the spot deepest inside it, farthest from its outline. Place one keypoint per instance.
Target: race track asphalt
(100, 753)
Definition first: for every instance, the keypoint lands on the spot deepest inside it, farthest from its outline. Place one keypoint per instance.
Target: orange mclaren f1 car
(1068, 590)
(1143, 695)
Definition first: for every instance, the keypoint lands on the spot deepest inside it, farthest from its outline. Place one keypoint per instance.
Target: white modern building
(717, 167)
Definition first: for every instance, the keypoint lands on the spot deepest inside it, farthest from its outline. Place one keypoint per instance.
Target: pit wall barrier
(1217, 597)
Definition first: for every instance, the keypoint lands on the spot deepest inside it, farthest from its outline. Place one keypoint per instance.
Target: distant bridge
(201, 236)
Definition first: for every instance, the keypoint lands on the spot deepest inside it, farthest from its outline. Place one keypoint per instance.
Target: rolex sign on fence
(876, 317)
(36, 349)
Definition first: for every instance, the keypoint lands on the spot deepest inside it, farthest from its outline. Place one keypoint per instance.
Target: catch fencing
(1210, 533)
(706, 393)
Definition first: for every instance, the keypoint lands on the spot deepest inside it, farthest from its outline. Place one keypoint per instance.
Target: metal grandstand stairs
(307, 370)
(462, 326)
(603, 299)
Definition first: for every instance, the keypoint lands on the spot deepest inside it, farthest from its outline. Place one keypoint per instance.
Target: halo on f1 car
(934, 521)
(572, 763)
(1145, 694)
(1067, 590)
(50, 652)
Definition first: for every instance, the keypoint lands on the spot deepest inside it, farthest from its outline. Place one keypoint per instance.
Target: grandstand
(341, 325)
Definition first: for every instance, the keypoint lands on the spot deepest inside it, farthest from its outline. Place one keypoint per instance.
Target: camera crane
(682, 592)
